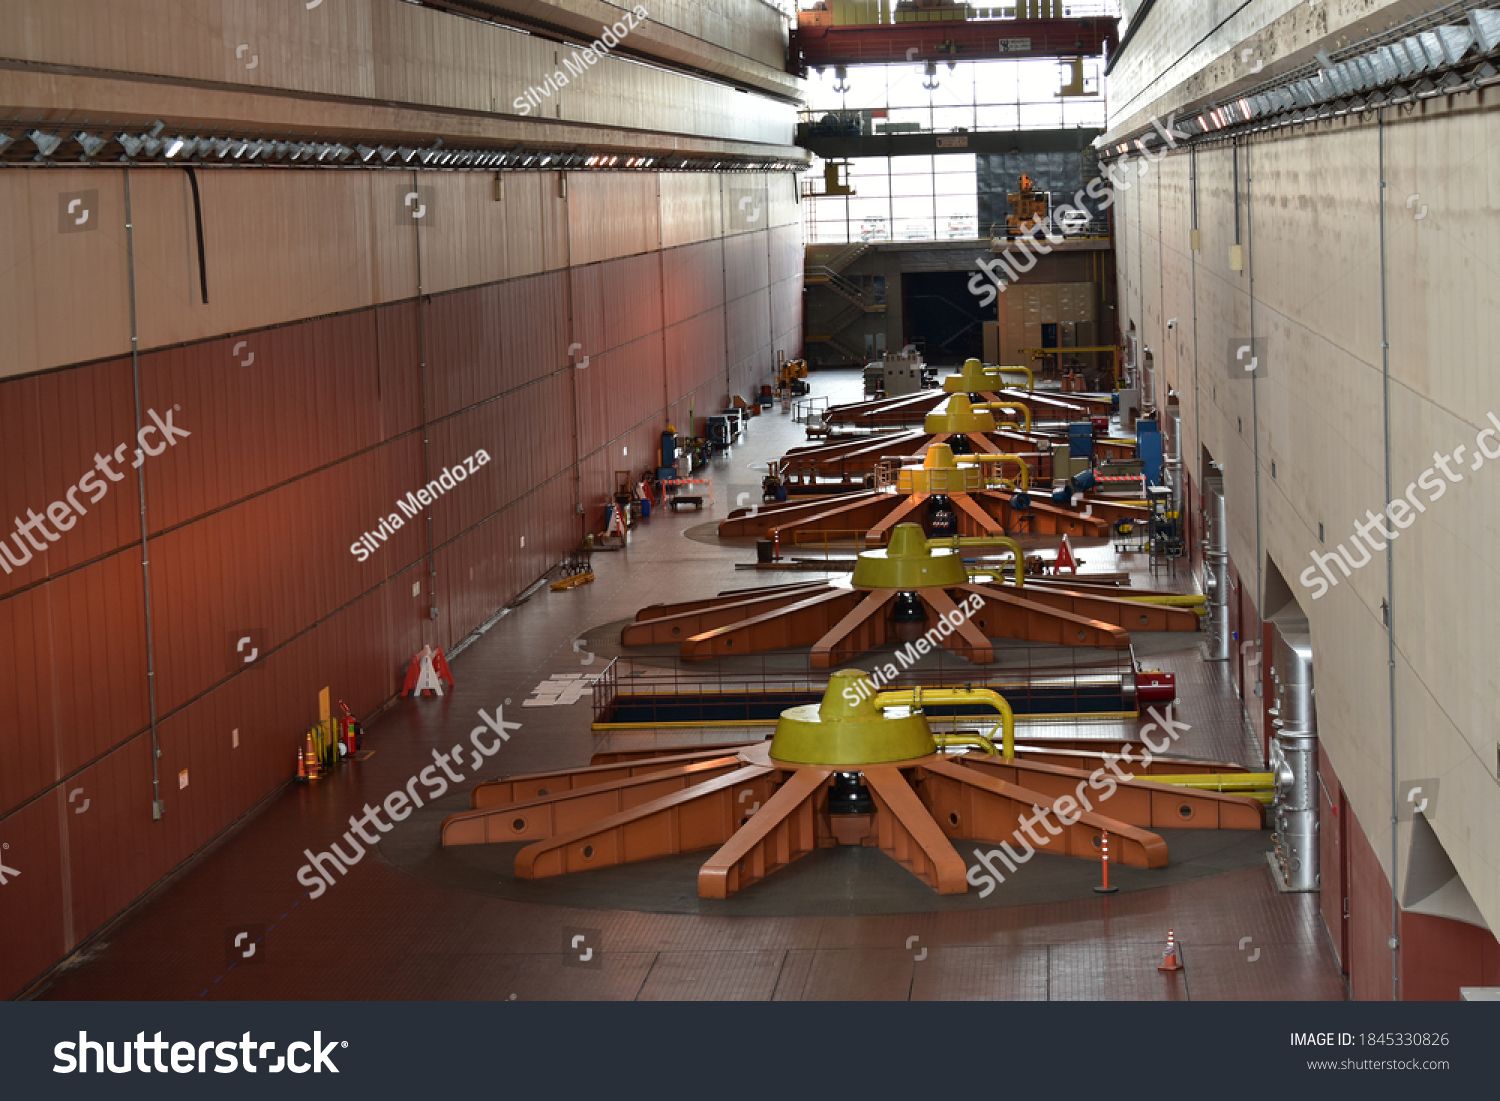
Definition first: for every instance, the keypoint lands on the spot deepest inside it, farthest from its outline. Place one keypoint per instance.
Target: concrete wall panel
(1310, 224)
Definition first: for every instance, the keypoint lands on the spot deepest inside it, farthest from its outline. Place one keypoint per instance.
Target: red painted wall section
(1369, 963)
(290, 457)
(1331, 872)
(1438, 956)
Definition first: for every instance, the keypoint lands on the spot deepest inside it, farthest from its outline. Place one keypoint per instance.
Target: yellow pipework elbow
(1027, 371)
(914, 698)
(957, 541)
(977, 740)
(1013, 406)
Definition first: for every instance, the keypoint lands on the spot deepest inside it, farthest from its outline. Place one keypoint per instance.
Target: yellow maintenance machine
(791, 377)
(1029, 207)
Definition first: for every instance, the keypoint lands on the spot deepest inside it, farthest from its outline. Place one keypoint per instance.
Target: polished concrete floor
(416, 922)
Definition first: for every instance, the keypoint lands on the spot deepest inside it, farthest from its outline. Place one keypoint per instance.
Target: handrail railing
(751, 691)
(807, 409)
(847, 286)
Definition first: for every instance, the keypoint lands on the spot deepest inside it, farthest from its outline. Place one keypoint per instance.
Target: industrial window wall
(899, 199)
(929, 197)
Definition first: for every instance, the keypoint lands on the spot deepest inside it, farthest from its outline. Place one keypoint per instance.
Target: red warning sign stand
(426, 672)
(1065, 558)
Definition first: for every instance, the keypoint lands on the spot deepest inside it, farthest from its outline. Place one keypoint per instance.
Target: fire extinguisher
(347, 727)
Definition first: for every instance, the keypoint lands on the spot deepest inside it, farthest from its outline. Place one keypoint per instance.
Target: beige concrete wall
(742, 38)
(1189, 50)
(379, 50)
(1310, 223)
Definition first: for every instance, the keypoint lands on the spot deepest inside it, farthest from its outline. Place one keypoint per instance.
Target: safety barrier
(809, 410)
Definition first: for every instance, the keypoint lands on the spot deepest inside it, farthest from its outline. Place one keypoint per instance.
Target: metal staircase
(849, 352)
(847, 255)
(856, 303)
(848, 291)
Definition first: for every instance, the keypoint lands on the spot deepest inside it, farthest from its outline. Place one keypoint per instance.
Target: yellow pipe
(1260, 786)
(1019, 556)
(1013, 406)
(1192, 600)
(979, 740)
(1025, 470)
(1027, 371)
(913, 698)
(1228, 781)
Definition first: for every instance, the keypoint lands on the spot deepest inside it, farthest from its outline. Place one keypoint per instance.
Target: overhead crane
(817, 47)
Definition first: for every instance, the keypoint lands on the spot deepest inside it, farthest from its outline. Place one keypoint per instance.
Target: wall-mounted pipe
(416, 229)
(158, 807)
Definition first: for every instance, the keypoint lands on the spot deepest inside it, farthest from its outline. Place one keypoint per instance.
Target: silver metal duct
(1216, 571)
(1294, 756)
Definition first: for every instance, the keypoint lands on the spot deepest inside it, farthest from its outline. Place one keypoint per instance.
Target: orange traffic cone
(1170, 960)
(301, 765)
(310, 756)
